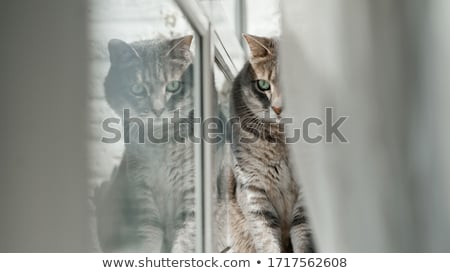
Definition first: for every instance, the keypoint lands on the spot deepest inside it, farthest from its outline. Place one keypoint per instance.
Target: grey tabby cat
(149, 204)
(265, 203)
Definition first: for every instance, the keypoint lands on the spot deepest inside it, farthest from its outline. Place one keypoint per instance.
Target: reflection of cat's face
(263, 95)
(150, 78)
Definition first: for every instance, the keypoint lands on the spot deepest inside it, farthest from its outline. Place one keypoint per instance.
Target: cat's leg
(144, 227)
(127, 226)
(232, 232)
(301, 235)
(149, 239)
(185, 223)
(185, 236)
(220, 226)
(241, 238)
(262, 218)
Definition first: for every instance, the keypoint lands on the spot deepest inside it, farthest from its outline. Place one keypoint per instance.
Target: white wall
(383, 64)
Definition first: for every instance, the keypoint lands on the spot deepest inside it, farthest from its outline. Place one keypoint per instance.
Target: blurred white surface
(384, 64)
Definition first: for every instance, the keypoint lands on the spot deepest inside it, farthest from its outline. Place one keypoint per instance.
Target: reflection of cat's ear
(120, 52)
(183, 43)
(259, 46)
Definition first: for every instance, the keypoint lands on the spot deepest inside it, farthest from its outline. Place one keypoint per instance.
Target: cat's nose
(277, 110)
(158, 111)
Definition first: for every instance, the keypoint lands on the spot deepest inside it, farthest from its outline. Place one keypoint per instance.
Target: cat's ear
(183, 44)
(121, 53)
(259, 46)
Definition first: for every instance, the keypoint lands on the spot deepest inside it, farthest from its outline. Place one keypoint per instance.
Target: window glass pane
(263, 17)
(141, 106)
(222, 13)
(222, 86)
(227, 24)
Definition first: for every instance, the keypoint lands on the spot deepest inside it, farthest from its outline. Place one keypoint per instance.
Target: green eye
(173, 86)
(263, 85)
(139, 90)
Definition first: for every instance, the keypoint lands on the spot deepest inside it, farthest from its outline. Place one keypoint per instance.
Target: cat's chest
(160, 167)
(267, 168)
(272, 175)
(147, 166)
(262, 161)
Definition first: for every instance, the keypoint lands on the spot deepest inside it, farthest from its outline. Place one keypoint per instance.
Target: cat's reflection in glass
(148, 204)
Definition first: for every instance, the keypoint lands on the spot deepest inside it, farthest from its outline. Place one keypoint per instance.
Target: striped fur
(264, 202)
(148, 206)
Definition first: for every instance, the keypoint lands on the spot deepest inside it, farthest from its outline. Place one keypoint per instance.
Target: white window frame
(212, 50)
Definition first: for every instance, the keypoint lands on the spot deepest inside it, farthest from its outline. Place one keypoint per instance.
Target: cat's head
(151, 78)
(263, 95)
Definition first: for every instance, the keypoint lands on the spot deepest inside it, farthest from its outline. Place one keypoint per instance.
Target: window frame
(212, 51)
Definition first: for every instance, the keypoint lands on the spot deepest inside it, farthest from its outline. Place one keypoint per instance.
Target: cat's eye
(139, 90)
(173, 86)
(263, 85)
